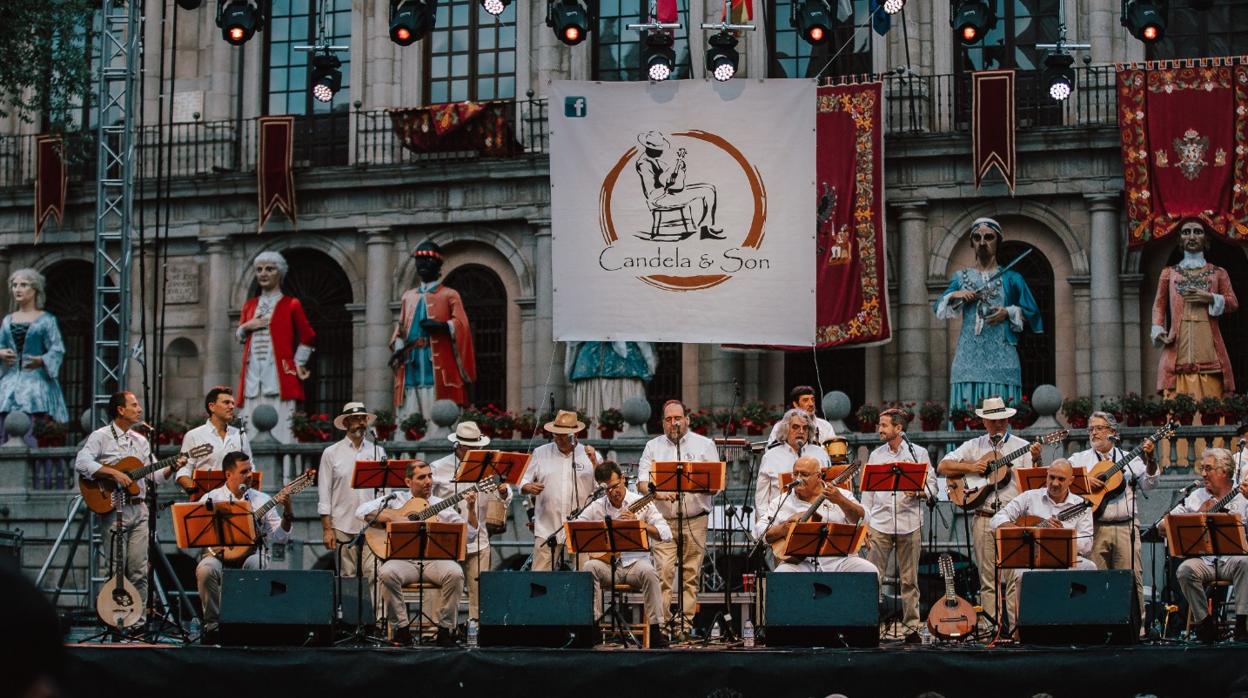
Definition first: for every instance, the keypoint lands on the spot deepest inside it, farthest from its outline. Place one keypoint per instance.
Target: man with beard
(993, 316)
(795, 442)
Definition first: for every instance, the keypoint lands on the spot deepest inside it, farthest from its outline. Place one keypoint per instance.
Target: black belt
(985, 514)
(690, 516)
(1124, 522)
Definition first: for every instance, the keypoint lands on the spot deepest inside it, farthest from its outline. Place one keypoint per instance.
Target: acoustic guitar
(119, 604)
(418, 509)
(1029, 521)
(235, 555)
(970, 490)
(98, 494)
(845, 475)
(951, 617)
(633, 508)
(1110, 472)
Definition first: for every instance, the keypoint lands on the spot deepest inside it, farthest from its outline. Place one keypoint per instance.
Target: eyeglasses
(1100, 427)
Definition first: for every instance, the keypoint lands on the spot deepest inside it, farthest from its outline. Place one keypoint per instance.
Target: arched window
(485, 301)
(1036, 352)
(1233, 326)
(324, 290)
(71, 299)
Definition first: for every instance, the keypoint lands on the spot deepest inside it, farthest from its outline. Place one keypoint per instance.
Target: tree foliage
(44, 67)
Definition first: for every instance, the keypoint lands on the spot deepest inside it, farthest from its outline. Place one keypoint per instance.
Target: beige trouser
(542, 556)
(208, 582)
(444, 574)
(134, 531)
(476, 562)
(879, 545)
(1111, 550)
(984, 542)
(639, 575)
(1018, 575)
(695, 548)
(1195, 573)
(347, 555)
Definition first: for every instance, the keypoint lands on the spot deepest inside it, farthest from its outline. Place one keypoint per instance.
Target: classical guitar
(418, 509)
(97, 494)
(846, 475)
(632, 509)
(119, 604)
(951, 617)
(233, 555)
(970, 490)
(1110, 472)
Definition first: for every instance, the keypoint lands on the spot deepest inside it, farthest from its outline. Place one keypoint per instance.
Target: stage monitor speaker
(1073, 606)
(822, 609)
(277, 607)
(537, 609)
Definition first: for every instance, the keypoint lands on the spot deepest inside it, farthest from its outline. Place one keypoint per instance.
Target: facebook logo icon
(575, 107)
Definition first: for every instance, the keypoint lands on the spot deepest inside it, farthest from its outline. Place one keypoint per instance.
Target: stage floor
(1172, 671)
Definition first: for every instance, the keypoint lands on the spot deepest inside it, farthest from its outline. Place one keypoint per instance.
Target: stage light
(658, 55)
(495, 7)
(239, 21)
(813, 20)
(326, 76)
(722, 56)
(1059, 75)
(972, 19)
(569, 20)
(1145, 19)
(892, 7)
(410, 20)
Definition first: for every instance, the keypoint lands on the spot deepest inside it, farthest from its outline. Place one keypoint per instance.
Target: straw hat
(994, 408)
(468, 434)
(565, 422)
(352, 409)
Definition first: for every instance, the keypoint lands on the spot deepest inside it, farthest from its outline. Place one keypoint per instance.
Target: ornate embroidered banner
(852, 295)
(992, 128)
(276, 181)
(442, 128)
(1184, 129)
(50, 181)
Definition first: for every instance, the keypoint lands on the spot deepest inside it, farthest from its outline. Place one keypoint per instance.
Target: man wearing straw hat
(561, 479)
(468, 437)
(337, 500)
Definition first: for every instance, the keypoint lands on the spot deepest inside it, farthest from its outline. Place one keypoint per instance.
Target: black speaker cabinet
(537, 609)
(277, 607)
(822, 609)
(1073, 606)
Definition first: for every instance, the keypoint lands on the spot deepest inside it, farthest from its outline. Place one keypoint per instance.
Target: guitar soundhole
(951, 603)
(122, 598)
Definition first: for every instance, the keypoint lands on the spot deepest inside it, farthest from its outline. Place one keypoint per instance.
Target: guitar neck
(641, 503)
(1006, 459)
(433, 509)
(295, 487)
(1226, 499)
(149, 469)
(847, 473)
(813, 508)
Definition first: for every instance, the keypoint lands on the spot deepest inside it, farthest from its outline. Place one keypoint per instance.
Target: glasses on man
(1099, 428)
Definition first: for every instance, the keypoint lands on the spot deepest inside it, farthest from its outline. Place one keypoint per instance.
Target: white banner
(684, 211)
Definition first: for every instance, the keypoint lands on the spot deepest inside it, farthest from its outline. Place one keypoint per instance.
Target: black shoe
(658, 640)
(210, 637)
(1207, 630)
(912, 638)
(402, 637)
(709, 233)
(445, 638)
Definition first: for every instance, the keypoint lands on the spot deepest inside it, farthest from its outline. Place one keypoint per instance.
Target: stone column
(913, 311)
(378, 320)
(219, 336)
(1106, 297)
(544, 348)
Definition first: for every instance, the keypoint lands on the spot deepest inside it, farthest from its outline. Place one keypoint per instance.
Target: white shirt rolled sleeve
(693, 447)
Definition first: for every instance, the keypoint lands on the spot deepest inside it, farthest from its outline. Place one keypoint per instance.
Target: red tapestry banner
(50, 181)
(992, 127)
(852, 298)
(1184, 130)
(276, 180)
(459, 126)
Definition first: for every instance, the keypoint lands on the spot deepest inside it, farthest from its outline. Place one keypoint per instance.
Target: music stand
(209, 480)
(680, 477)
(421, 541)
(897, 477)
(610, 536)
(478, 465)
(1036, 478)
(823, 539)
(380, 474)
(1032, 547)
(1194, 535)
(213, 524)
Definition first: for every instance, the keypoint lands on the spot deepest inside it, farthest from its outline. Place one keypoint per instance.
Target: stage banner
(992, 132)
(852, 290)
(275, 179)
(1184, 129)
(50, 181)
(681, 211)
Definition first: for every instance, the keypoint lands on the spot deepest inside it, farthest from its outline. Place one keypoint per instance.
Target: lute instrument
(811, 514)
(1067, 514)
(98, 494)
(1110, 472)
(419, 509)
(970, 490)
(952, 616)
(235, 555)
(119, 604)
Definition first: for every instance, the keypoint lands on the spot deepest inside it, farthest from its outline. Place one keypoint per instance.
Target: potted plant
(726, 422)
(962, 416)
(526, 422)
(755, 416)
(1182, 407)
(1026, 414)
(483, 420)
(1211, 409)
(1077, 410)
(1156, 412)
(504, 422)
(1113, 406)
(610, 421)
(171, 431)
(311, 428)
(700, 422)
(414, 426)
(1235, 407)
(50, 433)
(1134, 407)
(932, 415)
(868, 417)
(385, 425)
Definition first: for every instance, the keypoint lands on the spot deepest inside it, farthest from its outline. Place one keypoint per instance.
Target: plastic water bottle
(926, 635)
(747, 634)
(193, 629)
(473, 630)
(715, 631)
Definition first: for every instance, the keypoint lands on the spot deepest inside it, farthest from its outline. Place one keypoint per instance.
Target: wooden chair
(1215, 597)
(633, 609)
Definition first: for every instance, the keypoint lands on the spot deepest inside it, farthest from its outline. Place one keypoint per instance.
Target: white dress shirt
(785, 508)
(777, 461)
(822, 433)
(270, 526)
(896, 512)
(206, 433)
(444, 470)
(108, 445)
(693, 447)
(1122, 507)
(568, 481)
(601, 508)
(1037, 503)
(1241, 465)
(398, 499)
(1193, 502)
(979, 446)
(336, 498)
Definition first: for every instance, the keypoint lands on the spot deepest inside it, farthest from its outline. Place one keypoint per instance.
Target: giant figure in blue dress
(605, 374)
(31, 351)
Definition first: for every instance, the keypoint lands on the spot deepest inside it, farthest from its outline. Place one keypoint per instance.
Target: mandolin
(119, 604)
(1067, 514)
(633, 508)
(98, 494)
(970, 490)
(1110, 472)
(234, 555)
(418, 509)
(951, 617)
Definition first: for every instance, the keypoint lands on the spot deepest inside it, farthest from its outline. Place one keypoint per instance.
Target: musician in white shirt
(273, 528)
(965, 461)
(445, 574)
(337, 501)
(894, 518)
(1194, 573)
(216, 432)
(1116, 541)
(794, 433)
(819, 430)
(634, 568)
(1240, 456)
(560, 477)
(839, 506)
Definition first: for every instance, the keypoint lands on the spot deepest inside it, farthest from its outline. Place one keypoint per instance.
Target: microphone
(142, 427)
(996, 439)
(1195, 483)
(792, 485)
(242, 489)
(598, 493)
(1115, 439)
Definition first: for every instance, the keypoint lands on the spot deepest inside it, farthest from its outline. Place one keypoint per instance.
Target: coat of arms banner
(1184, 129)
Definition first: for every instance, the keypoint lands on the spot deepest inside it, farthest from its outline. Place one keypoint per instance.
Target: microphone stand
(758, 547)
(724, 618)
